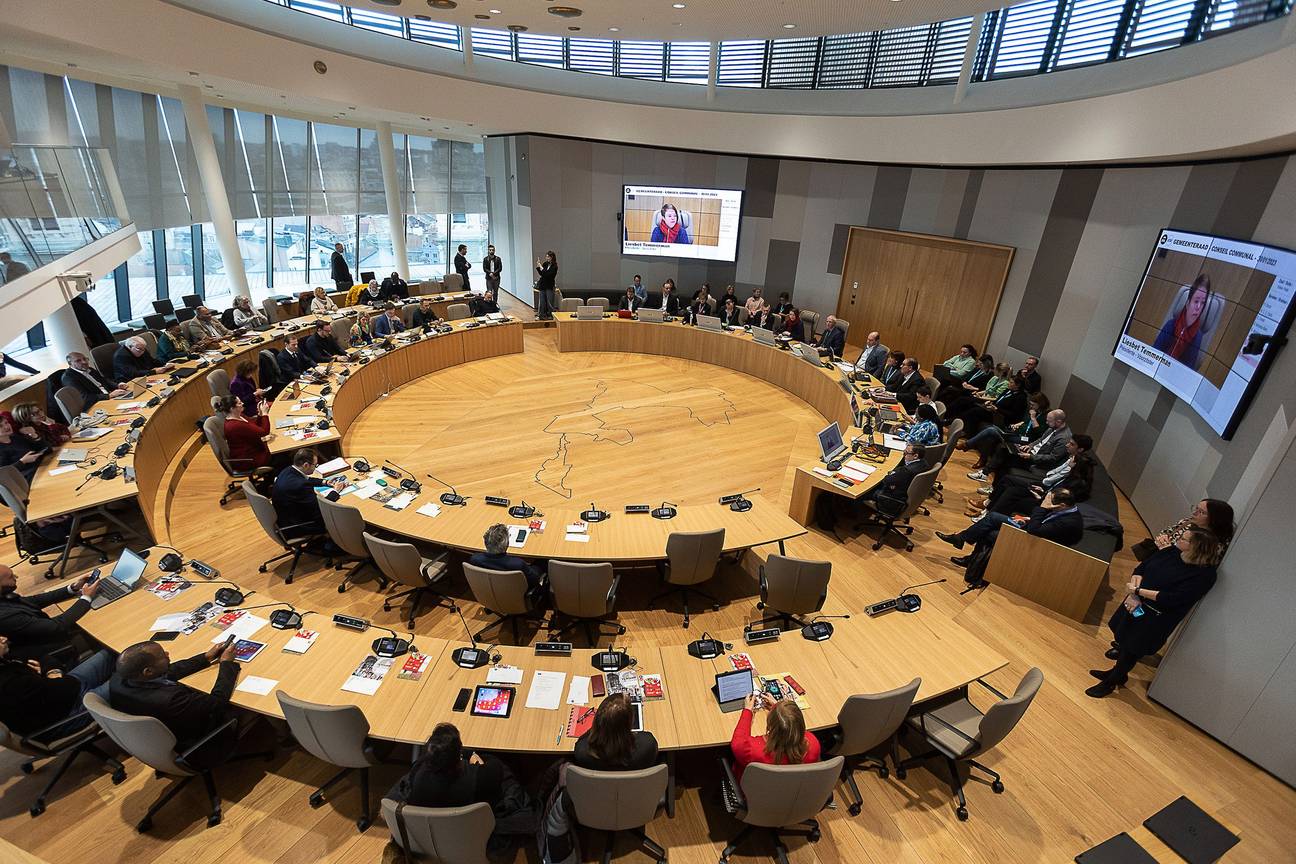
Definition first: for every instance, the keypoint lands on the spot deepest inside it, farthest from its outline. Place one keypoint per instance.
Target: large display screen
(1200, 320)
(681, 222)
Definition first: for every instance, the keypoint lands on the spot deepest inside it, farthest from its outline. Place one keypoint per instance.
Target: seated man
(894, 487)
(485, 304)
(133, 360)
(292, 362)
(905, 385)
(87, 381)
(873, 357)
(1031, 380)
(320, 346)
(1057, 519)
(1039, 456)
(670, 304)
(424, 316)
(496, 557)
(204, 330)
(962, 364)
(147, 684)
(32, 700)
(295, 500)
(629, 302)
(832, 341)
(389, 323)
(729, 314)
(394, 287)
(701, 305)
(32, 633)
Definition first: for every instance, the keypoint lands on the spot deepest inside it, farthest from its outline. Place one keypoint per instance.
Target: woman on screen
(669, 228)
(1181, 335)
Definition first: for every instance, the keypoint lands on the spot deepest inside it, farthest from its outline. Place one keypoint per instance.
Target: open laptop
(589, 313)
(731, 689)
(656, 316)
(831, 446)
(709, 322)
(809, 354)
(124, 578)
(69, 455)
(763, 336)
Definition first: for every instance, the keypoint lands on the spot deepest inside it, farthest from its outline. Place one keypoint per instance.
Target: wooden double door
(925, 295)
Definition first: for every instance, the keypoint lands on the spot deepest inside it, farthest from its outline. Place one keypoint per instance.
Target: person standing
(547, 268)
(462, 266)
(492, 267)
(640, 290)
(339, 271)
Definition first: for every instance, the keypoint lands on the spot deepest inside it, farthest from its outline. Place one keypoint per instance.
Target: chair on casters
(53, 742)
(504, 594)
(337, 734)
(888, 517)
(14, 492)
(447, 835)
(951, 438)
(151, 742)
(691, 558)
(617, 801)
(295, 547)
(70, 402)
(186, 313)
(345, 528)
(102, 355)
(403, 564)
(236, 470)
(585, 593)
(958, 731)
(790, 587)
(268, 373)
(866, 722)
(778, 797)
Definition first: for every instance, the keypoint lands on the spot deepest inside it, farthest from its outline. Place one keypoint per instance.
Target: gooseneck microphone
(738, 502)
(523, 510)
(469, 658)
(451, 498)
(409, 484)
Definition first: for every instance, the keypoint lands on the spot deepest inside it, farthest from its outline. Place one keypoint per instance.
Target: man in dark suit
(147, 684)
(485, 304)
(33, 634)
(1057, 519)
(339, 271)
(492, 267)
(1047, 451)
(462, 266)
(394, 287)
(670, 304)
(388, 324)
(832, 341)
(292, 362)
(729, 314)
(896, 483)
(496, 557)
(294, 497)
(873, 357)
(86, 380)
(1031, 380)
(133, 360)
(320, 346)
(32, 699)
(906, 384)
(891, 373)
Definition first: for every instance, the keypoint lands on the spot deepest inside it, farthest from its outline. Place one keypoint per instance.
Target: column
(65, 333)
(391, 187)
(713, 69)
(209, 171)
(969, 58)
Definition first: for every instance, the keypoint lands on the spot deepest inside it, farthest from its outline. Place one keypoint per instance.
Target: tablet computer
(491, 701)
(732, 689)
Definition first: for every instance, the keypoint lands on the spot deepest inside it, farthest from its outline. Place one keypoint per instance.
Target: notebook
(1121, 849)
(579, 721)
(1191, 832)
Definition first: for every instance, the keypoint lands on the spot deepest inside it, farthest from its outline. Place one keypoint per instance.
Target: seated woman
(245, 316)
(1181, 336)
(373, 295)
(977, 379)
(244, 387)
(611, 744)
(994, 418)
(362, 330)
(172, 344)
(321, 303)
(19, 450)
(31, 420)
(785, 742)
(793, 325)
(243, 434)
(926, 428)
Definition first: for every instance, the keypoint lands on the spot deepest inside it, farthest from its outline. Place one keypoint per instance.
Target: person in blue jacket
(1181, 335)
(669, 228)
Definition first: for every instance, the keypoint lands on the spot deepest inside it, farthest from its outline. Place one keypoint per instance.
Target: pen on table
(558, 740)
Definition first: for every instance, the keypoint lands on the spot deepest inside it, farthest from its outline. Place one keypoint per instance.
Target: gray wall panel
(889, 193)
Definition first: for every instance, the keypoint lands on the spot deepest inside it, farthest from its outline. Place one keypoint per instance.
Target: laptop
(763, 336)
(183, 372)
(589, 313)
(656, 316)
(709, 322)
(93, 433)
(124, 578)
(831, 445)
(731, 689)
(70, 455)
(810, 354)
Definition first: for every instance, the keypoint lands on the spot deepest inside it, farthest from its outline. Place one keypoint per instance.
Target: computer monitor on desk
(831, 445)
(589, 313)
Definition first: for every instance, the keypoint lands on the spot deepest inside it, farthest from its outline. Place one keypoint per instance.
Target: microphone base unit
(522, 511)
(664, 513)
(611, 661)
(470, 658)
(903, 603)
(595, 515)
(553, 649)
(452, 500)
(765, 634)
(742, 505)
(818, 631)
(285, 619)
(706, 649)
(351, 622)
(391, 646)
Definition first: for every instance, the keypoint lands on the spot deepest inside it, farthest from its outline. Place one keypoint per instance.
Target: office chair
(337, 734)
(150, 341)
(952, 433)
(236, 470)
(791, 587)
(458, 311)
(889, 513)
(403, 564)
(294, 547)
(345, 528)
(447, 835)
(155, 321)
(867, 721)
(585, 593)
(164, 307)
(691, 558)
(614, 802)
(70, 401)
(958, 731)
(504, 594)
(33, 545)
(776, 798)
(191, 301)
(102, 355)
(187, 313)
(218, 381)
(61, 739)
(569, 304)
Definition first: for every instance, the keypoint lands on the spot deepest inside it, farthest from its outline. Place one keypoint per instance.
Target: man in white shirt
(873, 357)
(87, 381)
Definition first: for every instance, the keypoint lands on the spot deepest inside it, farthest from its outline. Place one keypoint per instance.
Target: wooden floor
(1077, 771)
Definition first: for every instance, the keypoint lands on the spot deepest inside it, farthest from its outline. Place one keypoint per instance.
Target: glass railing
(53, 201)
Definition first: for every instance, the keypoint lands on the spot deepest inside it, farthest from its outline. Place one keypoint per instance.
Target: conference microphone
(667, 510)
(593, 514)
(393, 645)
(523, 510)
(451, 498)
(409, 484)
(738, 502)
(817, 629)
(469, 658)
(906, 602)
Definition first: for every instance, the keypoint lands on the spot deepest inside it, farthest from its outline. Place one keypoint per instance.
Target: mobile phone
(773, 690)
(164, 635)
(1137, 613)
(93, 577)
(596, 686)
(461, 701)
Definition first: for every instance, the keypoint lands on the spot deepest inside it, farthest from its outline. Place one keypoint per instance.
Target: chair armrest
(730, 779)
(31, 739)
(612, 590)
(991, 689)
(231, 461)
(182, 758)
(283, 529)
(922, 719)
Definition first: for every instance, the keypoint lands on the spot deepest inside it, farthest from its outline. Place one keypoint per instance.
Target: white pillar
(713, 69)
(209, 170)
(969, 58)
(64, 331)
(465, 42)
(391, 186)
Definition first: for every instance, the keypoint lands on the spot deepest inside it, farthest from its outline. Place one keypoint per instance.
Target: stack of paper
(546, 690)
(429, 509)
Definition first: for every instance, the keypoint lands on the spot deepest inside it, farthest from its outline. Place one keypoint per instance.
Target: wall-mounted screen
(681, 222)
(1199, 322)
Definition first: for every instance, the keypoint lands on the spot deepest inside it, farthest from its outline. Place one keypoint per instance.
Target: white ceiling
(700, 20)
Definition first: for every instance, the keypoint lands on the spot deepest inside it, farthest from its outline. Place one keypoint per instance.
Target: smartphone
(461, 701)
(1137, 613)
(597, 688)
(164, 635)
(636, 722)
(93, 577)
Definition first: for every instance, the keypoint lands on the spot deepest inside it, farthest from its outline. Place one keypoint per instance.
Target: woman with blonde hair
(30, 419)
(321, 303)
(785, 742)
(362, 330)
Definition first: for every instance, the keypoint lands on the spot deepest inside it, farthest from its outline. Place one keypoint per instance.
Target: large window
(469, 224)
(178, 244)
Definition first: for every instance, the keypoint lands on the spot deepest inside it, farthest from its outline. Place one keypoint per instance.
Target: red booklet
(579, 721)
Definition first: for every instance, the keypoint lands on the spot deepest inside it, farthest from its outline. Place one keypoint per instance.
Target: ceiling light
(517, 28)
(387, 2)
(565, 11)
(614, 29)
(320, 66)
(482, 17)
(789, 26)
(442, 4)
(495, 12)
(423, 17)
(573, 28)
(678, 5)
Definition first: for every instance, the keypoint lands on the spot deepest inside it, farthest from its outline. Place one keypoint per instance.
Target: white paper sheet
(64, 469)
(258, 686)
(892, 442)
(366, 679)
(577, 538)
(429, 509)
(546, 690)
(400, 502)
(579, 691)
(517, 535)
(174, 621)
(244, 628)
(504, 675)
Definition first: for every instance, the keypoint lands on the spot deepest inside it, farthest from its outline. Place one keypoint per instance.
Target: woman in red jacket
(786, 741)
(243, 434)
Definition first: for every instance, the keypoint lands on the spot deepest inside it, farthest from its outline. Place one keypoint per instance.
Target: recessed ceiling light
(495, 12)
(387, 2)
(573, 28)
(614, 29)
(423, 17)
(442, 4)
(517, 28)
(320, 66)
(789, 26)
(678, 5)
(565, 11)
(482, 17)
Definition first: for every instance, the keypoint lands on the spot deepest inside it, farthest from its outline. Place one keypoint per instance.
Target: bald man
(873, 357)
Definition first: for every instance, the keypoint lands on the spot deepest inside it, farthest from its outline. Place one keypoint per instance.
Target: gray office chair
(504, 594)
(33, 545)
(809, 320)
(585, 593)
(67, 738)
(867, 721)
(453, 283)
(151, 742)
(778, 797)
(294, 545)
(337, 734)
(958, 731)
(150, 341)
(270, 306)
(446, 835)
(939, 406)
(218, 381)
(844, 325)
(618, 801)
(599, 301)
(236, 470)
(952, 434)
(458, 311)
(268, 373)
(403, 564)
(102, 355)
(69, 401)
(790, 587)
(691, 558)
(933, 384)
(890, 512)
(569, 304)
(345, 527)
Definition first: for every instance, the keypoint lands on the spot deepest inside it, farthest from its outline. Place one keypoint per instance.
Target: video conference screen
(1197, 321)
(681, 222)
